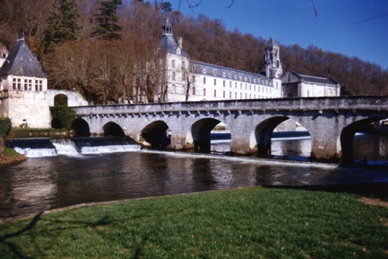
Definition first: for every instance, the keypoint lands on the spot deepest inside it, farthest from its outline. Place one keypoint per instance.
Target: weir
(45, 147)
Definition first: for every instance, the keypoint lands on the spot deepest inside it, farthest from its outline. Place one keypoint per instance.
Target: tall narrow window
(223, 83)
(25, 84)
(204, 91)
(193, 79)
(223, 94)
(14, 84)
(193, 89)
(204, 80)
(173, 63)
(19, 84)
(215, 82)
(173, 76)
(215, 93)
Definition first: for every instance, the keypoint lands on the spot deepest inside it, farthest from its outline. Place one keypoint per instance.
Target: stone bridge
(331, 121)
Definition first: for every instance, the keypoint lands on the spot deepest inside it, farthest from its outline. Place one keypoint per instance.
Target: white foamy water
(36, 152)
(65, 147)
(92, 150)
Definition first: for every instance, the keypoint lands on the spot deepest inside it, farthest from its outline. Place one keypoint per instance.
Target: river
(107, 174)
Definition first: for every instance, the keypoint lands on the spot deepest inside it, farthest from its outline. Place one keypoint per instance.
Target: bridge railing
(316, 103)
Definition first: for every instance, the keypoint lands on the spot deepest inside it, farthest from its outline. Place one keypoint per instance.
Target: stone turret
(272, 67)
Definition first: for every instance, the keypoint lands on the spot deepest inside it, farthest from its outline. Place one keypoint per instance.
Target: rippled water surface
(52, 182)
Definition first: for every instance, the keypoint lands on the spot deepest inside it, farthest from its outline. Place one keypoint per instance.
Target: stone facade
(297, 85)
(189, 80)
(25, 98)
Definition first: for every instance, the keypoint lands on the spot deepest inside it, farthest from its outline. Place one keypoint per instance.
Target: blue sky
(355, 28)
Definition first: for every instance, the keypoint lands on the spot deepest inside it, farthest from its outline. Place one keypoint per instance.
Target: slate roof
(197, 67)
(309, 79)
(21, 62)
(272, 43)
(168, 43)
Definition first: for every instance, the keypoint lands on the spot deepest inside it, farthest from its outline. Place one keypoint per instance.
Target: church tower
(177, 65)
(272, 64)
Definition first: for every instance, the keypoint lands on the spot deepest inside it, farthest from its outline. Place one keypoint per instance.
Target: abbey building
(188, 80)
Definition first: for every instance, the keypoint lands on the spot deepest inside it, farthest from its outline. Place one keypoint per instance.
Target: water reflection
(52, 182)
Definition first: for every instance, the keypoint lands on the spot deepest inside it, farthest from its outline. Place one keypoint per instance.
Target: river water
(71, 178)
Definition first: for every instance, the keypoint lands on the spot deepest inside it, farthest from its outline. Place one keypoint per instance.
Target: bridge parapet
(287, 104)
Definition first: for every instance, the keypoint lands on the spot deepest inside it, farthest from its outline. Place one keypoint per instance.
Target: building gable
(21, 62)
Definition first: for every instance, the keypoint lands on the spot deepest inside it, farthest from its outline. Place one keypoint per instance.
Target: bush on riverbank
(243, 223)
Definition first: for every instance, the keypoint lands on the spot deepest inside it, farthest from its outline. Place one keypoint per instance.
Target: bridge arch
(112, 129)
(80, 128)
(347, 138)
(201, 133)
(264, 132)
(156, 135)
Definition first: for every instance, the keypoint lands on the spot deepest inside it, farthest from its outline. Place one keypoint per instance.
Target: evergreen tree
(107, 20)
(62, 24)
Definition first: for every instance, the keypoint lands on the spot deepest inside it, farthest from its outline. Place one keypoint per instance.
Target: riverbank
(239, 223)
(10, 157)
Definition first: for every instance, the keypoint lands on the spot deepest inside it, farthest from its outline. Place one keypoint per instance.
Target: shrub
(5, 126)
(62, 117)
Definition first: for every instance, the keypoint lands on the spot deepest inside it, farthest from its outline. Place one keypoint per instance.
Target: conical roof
(21, 62)
(272, 43)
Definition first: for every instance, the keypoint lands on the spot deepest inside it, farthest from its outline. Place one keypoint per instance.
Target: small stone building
(297, 85)
(24, 97)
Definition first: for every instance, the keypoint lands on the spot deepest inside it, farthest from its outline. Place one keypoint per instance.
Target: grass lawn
(241, 223)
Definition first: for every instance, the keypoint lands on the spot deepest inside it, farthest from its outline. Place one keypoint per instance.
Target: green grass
(242, 223)
(10, 152)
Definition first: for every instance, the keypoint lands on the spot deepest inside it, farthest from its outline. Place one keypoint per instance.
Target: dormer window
(178, 51)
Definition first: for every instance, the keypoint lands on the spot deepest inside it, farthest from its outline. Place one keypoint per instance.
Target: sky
(355, 28)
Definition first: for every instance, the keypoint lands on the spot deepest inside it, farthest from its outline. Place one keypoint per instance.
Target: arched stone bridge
(332, 122)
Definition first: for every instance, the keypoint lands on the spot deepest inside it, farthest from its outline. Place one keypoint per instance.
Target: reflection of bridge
(331, 122)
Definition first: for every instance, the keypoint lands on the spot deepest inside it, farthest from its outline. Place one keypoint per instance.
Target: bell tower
(272, 63)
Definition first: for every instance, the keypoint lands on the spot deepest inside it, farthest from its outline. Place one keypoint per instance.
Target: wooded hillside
(103, 47)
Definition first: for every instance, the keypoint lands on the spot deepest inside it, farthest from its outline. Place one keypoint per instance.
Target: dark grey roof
(21, 62)
(197, 67)
(272, 43)
(306, 78)
(168, 43)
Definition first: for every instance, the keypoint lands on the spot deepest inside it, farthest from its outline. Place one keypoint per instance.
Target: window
(193, 89)
(240, 95)
(173, 63)
(204, 92)
(230, 95)
(29, 85)
(230, 84)
(25, 84)
(19, 84)
(215, 93)
(223, 83)
(215, 82)
(193, 79)
(173, 76)
(223, 94)
(235, 85)
(40, 85)
(235, 95)
(204, 80)
(14, 84)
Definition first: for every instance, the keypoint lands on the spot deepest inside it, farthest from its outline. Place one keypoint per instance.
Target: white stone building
(189, 80)
(297, 85)
(24, 97)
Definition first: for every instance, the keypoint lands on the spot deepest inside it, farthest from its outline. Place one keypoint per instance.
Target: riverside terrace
(331, 121)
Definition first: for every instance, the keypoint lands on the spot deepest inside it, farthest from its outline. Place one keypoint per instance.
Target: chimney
(180, 42)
